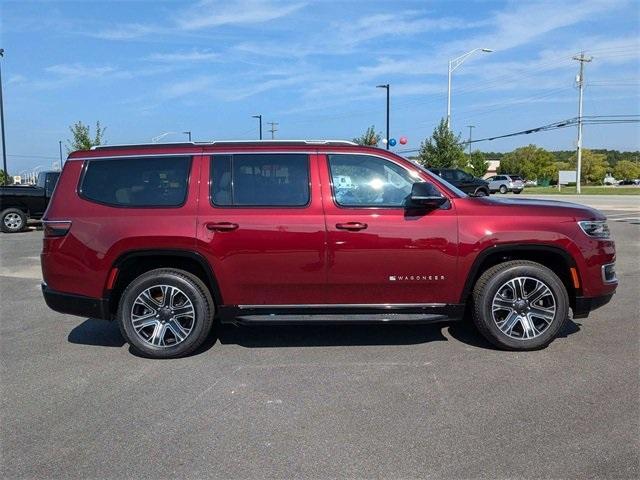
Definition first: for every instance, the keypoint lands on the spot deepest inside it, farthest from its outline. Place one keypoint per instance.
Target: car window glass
(365, 181)
(137, 182)
(260, 180)
(41, 180)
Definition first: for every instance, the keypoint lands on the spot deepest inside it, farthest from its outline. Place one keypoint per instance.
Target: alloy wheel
(523, 308)
(13, 221)
(162, 316)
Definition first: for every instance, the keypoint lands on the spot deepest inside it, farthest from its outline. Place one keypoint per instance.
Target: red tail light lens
(56, 228)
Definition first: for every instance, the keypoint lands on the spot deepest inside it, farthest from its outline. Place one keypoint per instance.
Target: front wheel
(520, 305)
(481, 192)
(166, 313)
(503, 189)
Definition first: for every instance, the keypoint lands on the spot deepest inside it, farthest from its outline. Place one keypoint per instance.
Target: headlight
(595, 228)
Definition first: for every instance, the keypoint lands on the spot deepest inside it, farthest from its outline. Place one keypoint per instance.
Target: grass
(586, 190)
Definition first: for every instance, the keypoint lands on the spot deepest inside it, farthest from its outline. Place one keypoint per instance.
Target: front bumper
(76, 304)
(584, 305)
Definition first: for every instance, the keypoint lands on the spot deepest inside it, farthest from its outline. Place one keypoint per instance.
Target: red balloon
(403, 140)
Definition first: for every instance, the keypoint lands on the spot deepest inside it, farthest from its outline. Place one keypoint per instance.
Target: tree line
(444, 149)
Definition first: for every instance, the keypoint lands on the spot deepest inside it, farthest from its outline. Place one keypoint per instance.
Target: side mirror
(425, 195)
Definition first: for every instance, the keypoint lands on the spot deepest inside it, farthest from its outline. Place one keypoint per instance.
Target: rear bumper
(76, 304)
(584, 305)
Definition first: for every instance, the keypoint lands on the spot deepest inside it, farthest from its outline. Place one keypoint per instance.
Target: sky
(143, 68)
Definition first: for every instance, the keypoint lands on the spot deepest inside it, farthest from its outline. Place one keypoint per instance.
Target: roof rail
(227, 142)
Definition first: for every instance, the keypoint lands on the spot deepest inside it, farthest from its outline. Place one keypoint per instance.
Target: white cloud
(77, 70)
(184, 57)
(126, 31)
(210, 13)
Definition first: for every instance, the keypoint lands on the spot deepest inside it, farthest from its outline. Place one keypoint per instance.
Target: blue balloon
(392, 142)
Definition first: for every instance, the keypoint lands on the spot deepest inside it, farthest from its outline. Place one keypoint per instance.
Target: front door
(380, 252)
(261, 227)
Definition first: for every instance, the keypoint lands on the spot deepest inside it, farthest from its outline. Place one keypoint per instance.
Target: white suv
(505, 183)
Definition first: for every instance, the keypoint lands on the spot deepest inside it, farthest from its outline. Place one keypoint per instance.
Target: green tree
(531, 162)
(2, 178)
(443, 149)
(594, 166)
(82, 139)
(370, 137)
(626, 170)
(478, 164)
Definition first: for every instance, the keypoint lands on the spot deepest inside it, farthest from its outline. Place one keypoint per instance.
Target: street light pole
(453, 64)
(259, 117)
(188, 133)
(4, 144)
(386, 86)
(60, 145)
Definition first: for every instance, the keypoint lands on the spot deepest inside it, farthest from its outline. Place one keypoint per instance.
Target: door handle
(352, 226)
(221, 226)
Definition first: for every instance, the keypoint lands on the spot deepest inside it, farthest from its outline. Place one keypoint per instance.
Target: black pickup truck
(18, 203)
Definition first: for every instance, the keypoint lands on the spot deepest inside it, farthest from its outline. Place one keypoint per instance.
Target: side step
(293, 319)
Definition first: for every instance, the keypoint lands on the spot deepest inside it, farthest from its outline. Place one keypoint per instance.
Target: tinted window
(366, 181)
(260, 180)
(137, 182)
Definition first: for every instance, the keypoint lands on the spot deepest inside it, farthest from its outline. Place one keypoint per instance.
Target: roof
(235, 143)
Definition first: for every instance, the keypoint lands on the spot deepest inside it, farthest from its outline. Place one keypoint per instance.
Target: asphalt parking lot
(318, 402)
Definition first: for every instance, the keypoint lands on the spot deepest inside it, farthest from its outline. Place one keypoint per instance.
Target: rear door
(261, 227)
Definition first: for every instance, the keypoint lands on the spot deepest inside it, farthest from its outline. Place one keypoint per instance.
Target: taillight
(56, 228)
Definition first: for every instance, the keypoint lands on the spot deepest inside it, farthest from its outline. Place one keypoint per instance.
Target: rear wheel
(481, 192)
(520, 305)
(12, 220)
(503, 189)
(166, 313)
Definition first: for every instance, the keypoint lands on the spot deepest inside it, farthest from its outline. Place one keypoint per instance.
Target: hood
(533, 205)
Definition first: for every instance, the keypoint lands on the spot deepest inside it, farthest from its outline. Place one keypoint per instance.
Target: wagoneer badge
(415, 278)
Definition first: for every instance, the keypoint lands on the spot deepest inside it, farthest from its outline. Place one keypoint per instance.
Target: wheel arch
(555, 258)
(133, 263)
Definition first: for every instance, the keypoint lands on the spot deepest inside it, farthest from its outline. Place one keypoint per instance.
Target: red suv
(165, 238)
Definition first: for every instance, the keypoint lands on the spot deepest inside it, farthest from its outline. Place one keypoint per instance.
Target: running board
(354, 314)
(337, 318)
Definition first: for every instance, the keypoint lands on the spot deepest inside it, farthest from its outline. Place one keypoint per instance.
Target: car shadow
(102, 333)
(98, 333)
(278, 336)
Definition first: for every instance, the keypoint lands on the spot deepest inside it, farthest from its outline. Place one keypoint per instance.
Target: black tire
(488, 285)
(517, 192)
(503, 189)
(481, 192)
(190, 287)
(13, 220)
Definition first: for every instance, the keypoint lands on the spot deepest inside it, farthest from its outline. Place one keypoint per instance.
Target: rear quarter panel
(80, 262)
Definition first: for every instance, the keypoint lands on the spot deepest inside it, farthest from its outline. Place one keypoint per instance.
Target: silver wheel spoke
(545, 314)
(528, 328)
(183, 311)
(539, 292)
(177, 329)
(507, 324)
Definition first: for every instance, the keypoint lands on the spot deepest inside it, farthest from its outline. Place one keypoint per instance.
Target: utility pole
(60, 145)
(386, 86)
(4, 144)
(259, 117)
(471, 127)
(273, 129)
(580, 81)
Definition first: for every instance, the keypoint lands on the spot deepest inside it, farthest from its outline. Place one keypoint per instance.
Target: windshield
(453, 188)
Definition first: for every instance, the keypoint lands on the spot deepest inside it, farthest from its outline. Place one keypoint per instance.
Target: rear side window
(260, 180)
(137, 182)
